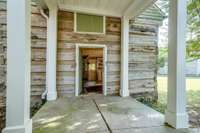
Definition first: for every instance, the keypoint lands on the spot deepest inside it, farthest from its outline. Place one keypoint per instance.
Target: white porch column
(18, 67)
(176, 114)
(51, 54)
(124, 92)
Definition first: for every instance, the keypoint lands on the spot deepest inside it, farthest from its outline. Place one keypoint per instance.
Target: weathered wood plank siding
(2, 46)
(143, 52)
(67, 39)
(38, 59)
(2, 112)
(2, 62)
(38, 50)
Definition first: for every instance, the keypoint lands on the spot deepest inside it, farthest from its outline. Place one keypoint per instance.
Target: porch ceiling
(116, 8)
(112, 7)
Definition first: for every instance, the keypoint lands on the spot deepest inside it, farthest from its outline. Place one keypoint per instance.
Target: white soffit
(101, 7)
(115, 8)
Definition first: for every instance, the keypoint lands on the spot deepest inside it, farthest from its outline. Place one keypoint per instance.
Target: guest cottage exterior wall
(143, 53)
(38, 47)
(38, 51)
(2, 62)
(67, 39)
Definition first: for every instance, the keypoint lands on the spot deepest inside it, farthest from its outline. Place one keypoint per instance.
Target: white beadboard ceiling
(118, 8)
(107, 7)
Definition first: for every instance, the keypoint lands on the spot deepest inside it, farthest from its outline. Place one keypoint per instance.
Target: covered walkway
(96, 113)
(118, 114)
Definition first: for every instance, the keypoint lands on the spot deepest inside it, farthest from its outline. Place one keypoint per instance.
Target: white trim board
(78, 46)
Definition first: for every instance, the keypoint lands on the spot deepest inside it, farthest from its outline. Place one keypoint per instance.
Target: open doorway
(90, 69)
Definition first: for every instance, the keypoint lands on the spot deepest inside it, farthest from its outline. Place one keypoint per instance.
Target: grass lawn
(193, 98)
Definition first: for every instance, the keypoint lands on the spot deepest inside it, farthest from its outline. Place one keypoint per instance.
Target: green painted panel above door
(89, 23)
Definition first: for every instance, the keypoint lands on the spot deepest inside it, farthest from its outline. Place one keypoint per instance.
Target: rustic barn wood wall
(143, 52)
(67, 40)
(2, 112)
(2, 46)
(38, 50)
(2, 62)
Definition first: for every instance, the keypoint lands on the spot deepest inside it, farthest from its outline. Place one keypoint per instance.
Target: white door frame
(104, 47)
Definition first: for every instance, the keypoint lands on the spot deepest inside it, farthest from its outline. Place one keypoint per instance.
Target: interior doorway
(91, 69)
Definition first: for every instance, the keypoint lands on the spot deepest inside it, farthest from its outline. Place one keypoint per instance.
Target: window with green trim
(89, 23)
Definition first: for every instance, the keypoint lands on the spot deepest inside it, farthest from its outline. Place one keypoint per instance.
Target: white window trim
(104, 47)
(81, 32)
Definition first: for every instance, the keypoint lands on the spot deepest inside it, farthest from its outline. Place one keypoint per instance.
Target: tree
(193, 40)
(193, 24)
(162, 58)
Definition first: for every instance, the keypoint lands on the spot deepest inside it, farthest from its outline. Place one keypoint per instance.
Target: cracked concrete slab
(69, 115)
(129, 112)
(161, 129)
(100, 114)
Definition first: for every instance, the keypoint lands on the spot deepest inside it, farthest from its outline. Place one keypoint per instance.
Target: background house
(192, 68)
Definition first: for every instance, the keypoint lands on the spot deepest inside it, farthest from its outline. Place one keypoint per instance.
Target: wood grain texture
(67, 39)
(143, 54)
(142, 50)
(38, 50)
(3, 48)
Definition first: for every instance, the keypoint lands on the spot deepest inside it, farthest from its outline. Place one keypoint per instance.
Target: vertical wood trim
(75, 22)
(18, 66)
(77, 72)
(104, 24)
(105, 71)
(52, 54)
(124, 92)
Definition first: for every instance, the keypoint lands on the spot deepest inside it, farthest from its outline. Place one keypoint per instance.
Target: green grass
(193, 98)
(192, 86)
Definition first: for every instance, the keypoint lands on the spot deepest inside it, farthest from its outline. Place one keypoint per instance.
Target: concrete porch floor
(99, 114)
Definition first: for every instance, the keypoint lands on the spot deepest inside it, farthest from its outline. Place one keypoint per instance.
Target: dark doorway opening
(92, 70)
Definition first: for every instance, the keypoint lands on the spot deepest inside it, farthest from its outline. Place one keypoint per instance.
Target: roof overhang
(115, 8)
(41, 3)
(136, 7)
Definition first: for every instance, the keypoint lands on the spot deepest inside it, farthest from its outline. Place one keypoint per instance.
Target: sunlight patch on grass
(193, 98)
(192, 83)
(192, 86)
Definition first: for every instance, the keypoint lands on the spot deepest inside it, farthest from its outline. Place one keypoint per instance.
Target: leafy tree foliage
(193, 21)
(163, 57)
(193, 47)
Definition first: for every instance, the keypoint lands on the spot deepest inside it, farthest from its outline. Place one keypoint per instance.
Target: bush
(153, 104)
